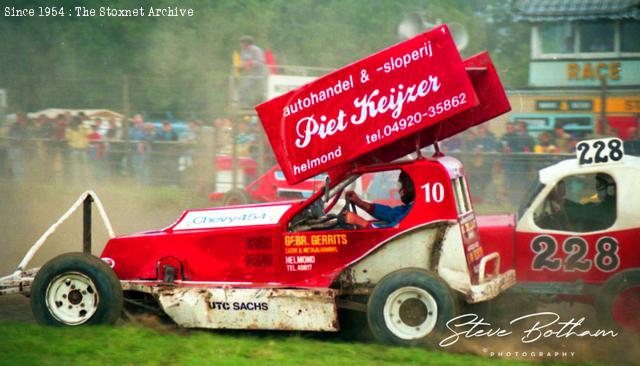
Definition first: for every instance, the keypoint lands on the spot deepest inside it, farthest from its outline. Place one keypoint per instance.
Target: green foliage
(183, 63)
(24, 344)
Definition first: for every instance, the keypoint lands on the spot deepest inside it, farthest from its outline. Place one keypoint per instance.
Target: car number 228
(545, 248)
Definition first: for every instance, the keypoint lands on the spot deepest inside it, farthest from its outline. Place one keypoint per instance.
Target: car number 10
(433, 192)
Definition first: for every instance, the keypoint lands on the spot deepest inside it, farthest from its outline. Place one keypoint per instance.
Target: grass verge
(26, 344)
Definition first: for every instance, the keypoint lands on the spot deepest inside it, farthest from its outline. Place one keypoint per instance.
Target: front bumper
(491, 287)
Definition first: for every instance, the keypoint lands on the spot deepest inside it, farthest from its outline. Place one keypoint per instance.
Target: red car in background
(269, 187)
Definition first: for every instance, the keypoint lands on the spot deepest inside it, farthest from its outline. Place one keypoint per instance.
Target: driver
(589, 216)
(602, 214)
(389, 216)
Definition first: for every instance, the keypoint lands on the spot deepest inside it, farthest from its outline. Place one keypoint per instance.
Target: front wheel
(409, 307)
(76, 289)
(618, 301)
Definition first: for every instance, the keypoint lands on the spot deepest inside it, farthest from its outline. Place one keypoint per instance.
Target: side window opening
(579, 203)
(381, 188)
(461, 194)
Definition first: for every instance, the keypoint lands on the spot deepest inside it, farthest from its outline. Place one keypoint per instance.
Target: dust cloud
(623, 349)
(28, 209)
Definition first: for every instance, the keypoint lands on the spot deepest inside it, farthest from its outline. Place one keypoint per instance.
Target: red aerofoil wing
(380, 108)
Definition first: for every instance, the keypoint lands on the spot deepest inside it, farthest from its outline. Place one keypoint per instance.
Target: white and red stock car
(291, 265)
(577, 233)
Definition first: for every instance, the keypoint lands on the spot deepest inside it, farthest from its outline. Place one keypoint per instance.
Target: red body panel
(255, 256)
(595, 264)
(497, 234)
(518, 250)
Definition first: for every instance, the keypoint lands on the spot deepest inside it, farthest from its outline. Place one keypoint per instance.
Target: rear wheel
(408, 307)
(76, 289)
(618, 302)
(235, 197)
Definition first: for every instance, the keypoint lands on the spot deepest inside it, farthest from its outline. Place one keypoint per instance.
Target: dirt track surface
(28, 209)
(15, 309)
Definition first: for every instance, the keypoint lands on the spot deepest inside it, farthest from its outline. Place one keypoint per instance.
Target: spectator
(190, 139)
(545, 144)
(59, 145)
(96, 146)
(223, 135)
(115, 150)
(18, 133)
(140, 143)
(78, 143)
(166, 154)
(43, 128)
(481, 142)
(114, 131)
(101, 127)
(96, 153)
(244, 139)
(484, 140)
(525, 142)
(42, 131)
(510, 140)
(563, 141)
(167, 133)
(253, 73)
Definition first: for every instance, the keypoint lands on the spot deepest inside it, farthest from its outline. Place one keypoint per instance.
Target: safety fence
(218, 162)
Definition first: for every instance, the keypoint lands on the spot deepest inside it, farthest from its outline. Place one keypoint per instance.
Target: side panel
(280, 309)
(452, 264)
(413, 250)
(316, 258)
(229, 255)
(569, 257)
(497, 234)
(592, 257)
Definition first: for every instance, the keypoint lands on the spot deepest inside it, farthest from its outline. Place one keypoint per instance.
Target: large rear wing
(383, 107)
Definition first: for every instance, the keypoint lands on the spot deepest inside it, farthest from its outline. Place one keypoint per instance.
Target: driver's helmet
(605, 185)
(407, 191)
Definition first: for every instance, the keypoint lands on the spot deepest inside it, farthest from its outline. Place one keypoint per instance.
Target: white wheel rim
(410, 313)
(72, 298)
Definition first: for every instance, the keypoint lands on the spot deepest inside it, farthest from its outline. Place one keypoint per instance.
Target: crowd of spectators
(77, 147)
(516, 139)
(502, 167)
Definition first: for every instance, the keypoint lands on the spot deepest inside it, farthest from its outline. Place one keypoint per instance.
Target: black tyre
(618, 301)
(235, 197)
(409, 307)
(76, 289)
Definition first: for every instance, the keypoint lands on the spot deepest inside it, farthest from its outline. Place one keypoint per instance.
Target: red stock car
(292, 265)
(269, 187)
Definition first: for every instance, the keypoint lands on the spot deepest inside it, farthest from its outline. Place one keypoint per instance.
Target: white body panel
(418, 249)
(237, 308)
(626, 174)
(232, 217)
(412, 250)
